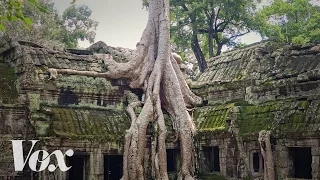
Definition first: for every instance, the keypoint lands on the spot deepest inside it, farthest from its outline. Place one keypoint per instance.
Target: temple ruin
(245, 91)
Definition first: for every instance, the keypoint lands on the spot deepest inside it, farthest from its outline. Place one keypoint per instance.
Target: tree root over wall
(266, 150)
(155, 70)
(242, 152)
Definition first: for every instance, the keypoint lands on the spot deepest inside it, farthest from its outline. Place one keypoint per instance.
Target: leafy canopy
(290, 21)
(12, 10)
(51, 29)
(211, 24)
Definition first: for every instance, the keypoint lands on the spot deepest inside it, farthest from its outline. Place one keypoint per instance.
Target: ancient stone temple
(245, 91)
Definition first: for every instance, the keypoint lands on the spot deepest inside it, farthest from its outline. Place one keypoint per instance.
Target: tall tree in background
(155, 70)
(206, 26)
(78, 25)
(45, 25)
(290, 21)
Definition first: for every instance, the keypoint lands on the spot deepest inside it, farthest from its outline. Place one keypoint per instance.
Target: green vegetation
(290, 21)
(12, 10)
(44, 25)
(206, 26)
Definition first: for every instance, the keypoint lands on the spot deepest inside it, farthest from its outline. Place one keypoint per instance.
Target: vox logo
(35, 158)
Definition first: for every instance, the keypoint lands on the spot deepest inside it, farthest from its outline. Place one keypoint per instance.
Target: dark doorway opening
(212, 158)
(301, 162)
(79, 169)
(171, 160)
(113, 167)
(256, 162)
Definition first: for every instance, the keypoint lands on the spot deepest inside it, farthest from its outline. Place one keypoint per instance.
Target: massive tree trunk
(154, 69)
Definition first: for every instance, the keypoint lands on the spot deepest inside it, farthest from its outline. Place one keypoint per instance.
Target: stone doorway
(79, 169)
(211, 158)
(171, 160)
(300, 160)
(256, 162)
(113, 166)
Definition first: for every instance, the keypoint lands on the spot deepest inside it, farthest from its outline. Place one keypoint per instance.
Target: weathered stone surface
(83, 113)
(270, 88)
(260, 87)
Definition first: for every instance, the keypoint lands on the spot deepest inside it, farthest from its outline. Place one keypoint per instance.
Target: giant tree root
(154, 69)
(266, 150)
(242, 152)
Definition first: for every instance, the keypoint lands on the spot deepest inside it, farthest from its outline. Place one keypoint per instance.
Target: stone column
(281, 161)
(96, 165)
(315, 152)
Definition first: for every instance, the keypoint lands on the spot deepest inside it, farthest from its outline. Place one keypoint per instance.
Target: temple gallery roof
(263, 86)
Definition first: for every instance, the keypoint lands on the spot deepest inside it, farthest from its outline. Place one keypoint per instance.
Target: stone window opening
(211, 158)
(300, 160)
(80, 167)
(113, 167)
(256, 163)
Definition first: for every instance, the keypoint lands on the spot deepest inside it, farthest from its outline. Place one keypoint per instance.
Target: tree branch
(203, 31)
(224, 24)
(185, 8)
(235, 36)
(216, 19)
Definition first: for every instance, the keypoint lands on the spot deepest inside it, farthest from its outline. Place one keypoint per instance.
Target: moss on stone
(210, 176)
(8, 80)
(42, 128)
(304, 104)
(210, 119)
(34, 102)
(277, 116)
(106, 125)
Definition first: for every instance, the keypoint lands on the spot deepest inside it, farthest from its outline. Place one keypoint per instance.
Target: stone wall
(260, 87)
(82, 113)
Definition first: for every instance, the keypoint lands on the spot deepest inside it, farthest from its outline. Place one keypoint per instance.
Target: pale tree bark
(240, 144)
(266, 151)
(154, 69)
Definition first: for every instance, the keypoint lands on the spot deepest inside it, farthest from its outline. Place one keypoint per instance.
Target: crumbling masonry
(244, 91)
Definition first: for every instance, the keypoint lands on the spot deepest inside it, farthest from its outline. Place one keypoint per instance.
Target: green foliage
(12, 10)
(292, 21)
(78, 25)
(51, 29)
(218, 21)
